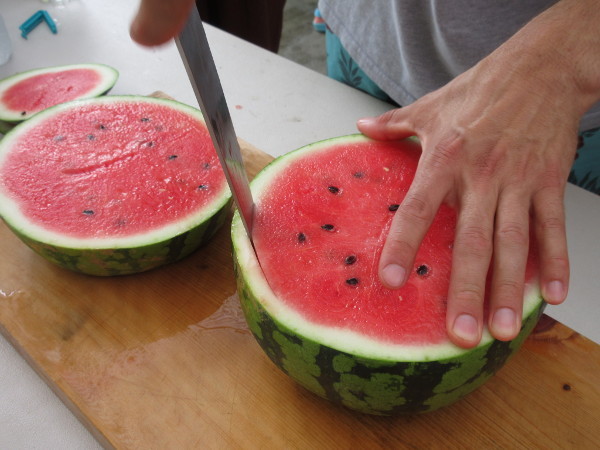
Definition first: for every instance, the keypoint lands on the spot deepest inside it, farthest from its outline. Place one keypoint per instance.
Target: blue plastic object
(35, 20)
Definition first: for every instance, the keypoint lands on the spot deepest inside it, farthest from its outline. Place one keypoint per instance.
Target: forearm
(560, 48)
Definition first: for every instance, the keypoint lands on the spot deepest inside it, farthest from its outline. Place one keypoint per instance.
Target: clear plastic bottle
(5, 47)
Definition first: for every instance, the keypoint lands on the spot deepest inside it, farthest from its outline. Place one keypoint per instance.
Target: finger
(157, 21)
(470, 262)
(551, 236)
(409, 225)
(391, 125)
(511, 249)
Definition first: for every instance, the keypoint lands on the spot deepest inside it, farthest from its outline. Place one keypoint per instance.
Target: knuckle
(558, 264)
(488, 162)
(397, 244)
(552, 224)
(514, 233)
(447, 150)
(476, 240)
(416, 210)
(470, 294)
(391, 117)
(509, 290)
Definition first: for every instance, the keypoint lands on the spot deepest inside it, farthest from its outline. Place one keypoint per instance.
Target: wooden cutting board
(164, 360)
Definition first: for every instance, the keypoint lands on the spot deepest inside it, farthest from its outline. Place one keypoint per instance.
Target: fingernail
(366, 121)
(466, 327)
(554, 292)
(505, 322)
(393, 275)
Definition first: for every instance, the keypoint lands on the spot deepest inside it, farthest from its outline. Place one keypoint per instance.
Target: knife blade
(202, 72)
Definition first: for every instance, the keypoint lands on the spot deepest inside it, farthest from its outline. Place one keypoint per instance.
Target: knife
(202, 72)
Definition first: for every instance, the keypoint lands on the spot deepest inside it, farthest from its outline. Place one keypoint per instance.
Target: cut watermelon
(322, 214)
(26, 93)
(112, 185)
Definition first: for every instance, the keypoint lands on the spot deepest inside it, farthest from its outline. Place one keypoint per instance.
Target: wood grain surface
(164, 360)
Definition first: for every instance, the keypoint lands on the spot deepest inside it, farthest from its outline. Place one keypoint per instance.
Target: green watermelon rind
(127, 261)
(5, 127)
(356, 371)
(114, 256)
(12, 117)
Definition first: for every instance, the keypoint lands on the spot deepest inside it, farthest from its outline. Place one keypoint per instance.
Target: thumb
(157, 21)
(391, 125)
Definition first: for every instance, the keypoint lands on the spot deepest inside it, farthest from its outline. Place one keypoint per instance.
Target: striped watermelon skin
(371, 385)
(127, 261)
(5, 127)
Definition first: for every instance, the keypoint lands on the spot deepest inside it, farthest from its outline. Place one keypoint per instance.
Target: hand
(498, 143)
(157, 21)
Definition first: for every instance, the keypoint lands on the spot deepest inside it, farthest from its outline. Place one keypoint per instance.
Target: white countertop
(276, 105)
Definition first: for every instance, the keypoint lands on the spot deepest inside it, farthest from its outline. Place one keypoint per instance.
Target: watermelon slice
(315, 303)
(112, 185)
(26, 93)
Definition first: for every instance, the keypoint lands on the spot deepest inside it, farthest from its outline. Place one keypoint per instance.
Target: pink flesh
(117, 161)
(311, 276)
(48, 89)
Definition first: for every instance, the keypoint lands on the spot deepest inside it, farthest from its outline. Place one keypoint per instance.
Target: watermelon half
(27, 93)
(112, 185)
(315, 303)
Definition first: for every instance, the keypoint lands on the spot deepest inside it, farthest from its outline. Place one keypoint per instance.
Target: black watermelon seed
(91, 137)
(422, 270)
(88, 212)
(350, 259)
(173, 157)
(352, 281)
(102, 127)
(333, 189)
(393, 207)
(203, 187)
(207, 165)
(23, 113)
(327, 227)
(144, 119)
(358, 174)
(301, 237)
(150, 144)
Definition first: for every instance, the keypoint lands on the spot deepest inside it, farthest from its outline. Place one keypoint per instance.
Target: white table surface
(276, 105)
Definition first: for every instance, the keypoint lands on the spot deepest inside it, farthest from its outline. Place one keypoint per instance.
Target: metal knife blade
(202, 72)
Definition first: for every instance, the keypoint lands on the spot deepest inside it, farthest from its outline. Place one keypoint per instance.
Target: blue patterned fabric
(585, 172)
(341, 67)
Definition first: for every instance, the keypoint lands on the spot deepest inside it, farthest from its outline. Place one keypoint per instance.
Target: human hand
(157, 21)
(498, 143)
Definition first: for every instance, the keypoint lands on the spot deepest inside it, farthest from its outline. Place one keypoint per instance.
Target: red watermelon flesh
(112, 169)
(319, 229)
(48, 89)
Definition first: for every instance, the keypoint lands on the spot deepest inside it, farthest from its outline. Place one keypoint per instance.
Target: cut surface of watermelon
(25, 94)
(111, 173)
(322, 215)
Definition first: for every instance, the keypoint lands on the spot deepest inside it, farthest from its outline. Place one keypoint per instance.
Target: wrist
(560, 51)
